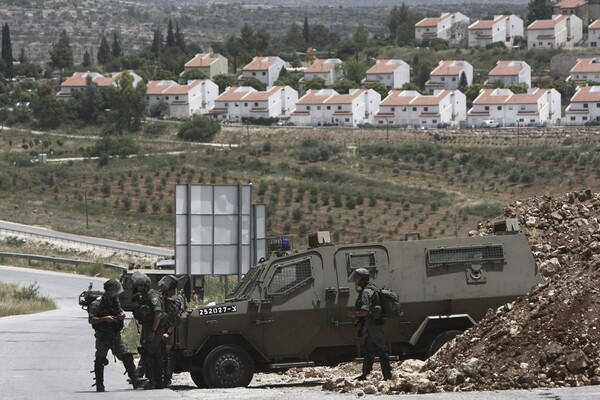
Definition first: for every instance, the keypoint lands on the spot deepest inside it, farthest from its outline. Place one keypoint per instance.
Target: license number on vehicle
(217, 310)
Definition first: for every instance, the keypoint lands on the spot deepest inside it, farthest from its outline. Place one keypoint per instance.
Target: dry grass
(16, 300)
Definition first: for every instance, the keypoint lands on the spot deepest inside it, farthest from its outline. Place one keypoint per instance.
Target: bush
(155, 129)
(199, 129)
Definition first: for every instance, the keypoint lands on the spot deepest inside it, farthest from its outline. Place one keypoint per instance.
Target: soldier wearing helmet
(148, 313)
(174, 308)
(106, 317)
(369, 313)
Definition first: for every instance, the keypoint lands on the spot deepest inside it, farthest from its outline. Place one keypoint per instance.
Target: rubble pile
(548, 338)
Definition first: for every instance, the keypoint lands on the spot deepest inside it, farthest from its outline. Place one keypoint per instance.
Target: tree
(87, 59)
(48, 111)
(306, 31)
(397, 16)
(319, 37)
(234, 47)
(103, 55)
(88, 101)
(344, 86)
(463, 83)
(157, 42)
(315, 83)
(116, 49)
(355, 70)
(360, 37)
(170, 35)
(199, 129)
(379, 88)
(262, 40)
(22, 57)
(61, 54)
(223, 81)
(539, 9)
(411, 86)
(255, 83)
(7, 54)
(247, 38)
(179, 37)
(293, 38)
(192, 74)
(127, 104)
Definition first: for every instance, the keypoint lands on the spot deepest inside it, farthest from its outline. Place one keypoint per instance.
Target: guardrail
(56, 260)
(81, 243)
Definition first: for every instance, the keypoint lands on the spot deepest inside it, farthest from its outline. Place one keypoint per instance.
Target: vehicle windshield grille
(458, 255)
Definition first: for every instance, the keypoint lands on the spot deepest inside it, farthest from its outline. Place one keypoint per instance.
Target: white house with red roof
(513, 72)
(447, 75)
(448, 26)
(409, 107)
(182, 101)
(265, 69)
(236, 103)
(78, 81)
(509, 109)
(328, 107)
(501, 29)
(586, 70)
(560, 31)
(584, 107)
(330, 70)
(209, 64)
(593, 39)
(581, 8)
(391, 73)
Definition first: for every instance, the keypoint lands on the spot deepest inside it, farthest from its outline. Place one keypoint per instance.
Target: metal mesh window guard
(458, 255)
(363, 260)
(286, 277)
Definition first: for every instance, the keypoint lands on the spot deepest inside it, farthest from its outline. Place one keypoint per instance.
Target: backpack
(386, 303)
(174, 309)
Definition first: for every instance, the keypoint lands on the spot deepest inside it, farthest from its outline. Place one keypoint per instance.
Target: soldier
(368, 311)
(149, 314)
(174, 308)
(106, 317)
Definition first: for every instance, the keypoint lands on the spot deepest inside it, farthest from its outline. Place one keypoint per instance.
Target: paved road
(49, 356)
(94, 241)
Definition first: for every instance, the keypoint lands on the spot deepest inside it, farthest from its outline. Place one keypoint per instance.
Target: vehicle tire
(441, 340)
(228, 366)
(198, 377)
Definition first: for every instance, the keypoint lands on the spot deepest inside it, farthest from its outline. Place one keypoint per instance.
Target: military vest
(174, 309)
(144, 312)
(105, 308)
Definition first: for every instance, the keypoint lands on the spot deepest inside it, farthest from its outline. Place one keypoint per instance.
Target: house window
(157, 97)
(499, 107)
(593, 44)
(176, 97)
(403, 108)
(532, 120)
(598, 105)
(585, 105)
(393, 108)
(453, 79)
(443, 78)
(414, 108)
(167, 97)
(318, 107)
(572, 118)
(347, 120)
(264, 73)
(147, 97)
(486, 108)
(425, 108)
(226, 104)
(254, 74)
(339, 107)
(237, 105)
(584, 118)
(308, 107)
(255, 104)
(245, 104)
(329, 107)
(434, 121)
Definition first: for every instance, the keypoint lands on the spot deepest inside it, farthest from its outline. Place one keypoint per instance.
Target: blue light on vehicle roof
(285, 244)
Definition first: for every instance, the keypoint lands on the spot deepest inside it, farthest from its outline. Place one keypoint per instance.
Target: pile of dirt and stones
(548, 338)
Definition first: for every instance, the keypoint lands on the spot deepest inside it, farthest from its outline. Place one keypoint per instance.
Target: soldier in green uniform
(174, 309)
(106, 317)
(149, 313)
(368, 311)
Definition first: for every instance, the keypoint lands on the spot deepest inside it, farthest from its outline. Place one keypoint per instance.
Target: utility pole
(87, 221)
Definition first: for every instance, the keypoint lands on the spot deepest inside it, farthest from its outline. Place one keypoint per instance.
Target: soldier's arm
(156, 322)
(93, 319)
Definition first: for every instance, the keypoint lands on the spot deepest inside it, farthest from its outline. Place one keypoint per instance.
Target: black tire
(441, 340)
(228, 366)
(198, 378)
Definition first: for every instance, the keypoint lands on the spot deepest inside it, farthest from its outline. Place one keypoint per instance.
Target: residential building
(409, 107)
(328, 107)
(537, 106)
(501, 29)
(584, 107)
(78, 81)
(593, 39)
(510, 73)
(586, 70)
(182, 101)
(447, 75)
(448, 26)
(239, 102)
(391, 73)
(265, 69)
(573, 7)
(560, 31)
(330, 70)
(209, 64)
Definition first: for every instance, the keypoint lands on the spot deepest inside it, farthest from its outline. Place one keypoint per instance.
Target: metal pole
(87, 220)
(387, 130)
(248, 131)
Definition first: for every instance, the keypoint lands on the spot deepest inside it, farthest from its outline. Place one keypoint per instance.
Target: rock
(471, 367)
(454, 377)
(577, 361)
(369, 389)
(556, 215)
(412, 365)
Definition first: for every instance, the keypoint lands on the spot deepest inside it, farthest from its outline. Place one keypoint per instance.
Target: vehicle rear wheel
(198, 378)
(228, 366)
(441, 340)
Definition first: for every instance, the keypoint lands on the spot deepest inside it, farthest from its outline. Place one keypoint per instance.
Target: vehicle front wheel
(441, 340)
(197, 377)
(228, 366)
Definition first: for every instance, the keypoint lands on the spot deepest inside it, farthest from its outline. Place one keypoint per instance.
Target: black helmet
(113, 285)
(140, 278)
(359, 274)
(168, 280)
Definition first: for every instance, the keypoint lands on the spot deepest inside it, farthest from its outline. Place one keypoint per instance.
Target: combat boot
(134, 378)
(99, 374)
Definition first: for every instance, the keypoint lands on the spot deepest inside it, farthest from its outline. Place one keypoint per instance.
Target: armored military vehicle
(291, 309)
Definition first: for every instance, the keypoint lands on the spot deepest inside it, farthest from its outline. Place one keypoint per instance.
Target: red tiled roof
(235, 93)
(262, 96)
(201, 60)
(385, 67)
(448, 67)
(587, 65)
(320, 66)
(586, 94)
(594, 25)
(430, 22)
(260, 64)
(507, 68)
(546, 23)
(345, 98)
(316, 97)
(570, 4)
(486, 24)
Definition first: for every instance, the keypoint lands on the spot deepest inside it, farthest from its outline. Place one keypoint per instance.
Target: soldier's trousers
(109, 341)
(153, 353)
(375, 346)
